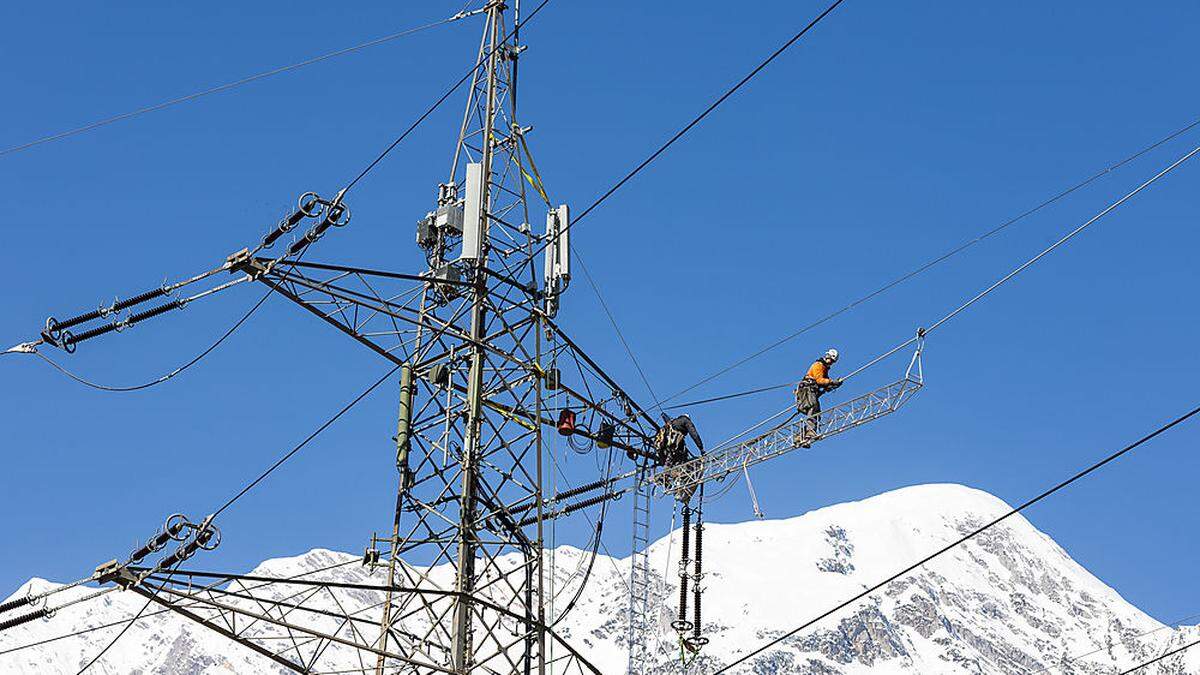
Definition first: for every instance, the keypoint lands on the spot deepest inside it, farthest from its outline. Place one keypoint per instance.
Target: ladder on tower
(639, 578)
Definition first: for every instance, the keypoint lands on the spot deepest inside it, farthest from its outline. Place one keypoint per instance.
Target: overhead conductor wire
(231, 85)
(1160, 657)
(921, 333)
(696, 120)
(1028, 263)
(337, 201)
(373, 386)
(909, 275)
(1078, 476)
(167, 376)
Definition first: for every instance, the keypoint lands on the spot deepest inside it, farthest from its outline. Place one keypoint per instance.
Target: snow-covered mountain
(1009, 601)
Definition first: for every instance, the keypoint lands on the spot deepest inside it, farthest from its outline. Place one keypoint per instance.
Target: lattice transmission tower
(458, 583)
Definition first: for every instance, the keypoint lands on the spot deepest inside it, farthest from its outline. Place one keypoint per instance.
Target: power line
(140, 612)
(592, 283)
(1094, 467)
(713, 106)
(1029, 263)
(340, 195)
(617, 327)
(119, 635)
(922, 332)
(93, 629)
(696, 120)
(974, 299)
(726, 397)
(76, 633)
(229, 85)
(429, 111)
(516, 27)
(1160, 658)
(654, 155)
(173, 373)
(923, 268)
(1076, 657)
(325, 425)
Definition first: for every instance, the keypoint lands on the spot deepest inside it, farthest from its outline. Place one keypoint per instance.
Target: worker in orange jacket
(808, 395)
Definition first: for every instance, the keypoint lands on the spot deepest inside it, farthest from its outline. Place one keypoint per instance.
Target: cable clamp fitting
(236, 261)
(23, 348)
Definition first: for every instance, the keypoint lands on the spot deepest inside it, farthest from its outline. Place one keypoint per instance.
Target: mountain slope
(1010, 601)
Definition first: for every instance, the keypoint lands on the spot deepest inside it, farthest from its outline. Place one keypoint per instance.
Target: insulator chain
(696, 641)
(571, 508)
(682, 625)
(691, 572)
(176, 528)
(195, 536)
(327, 213)
(25, 618)
(68, 340)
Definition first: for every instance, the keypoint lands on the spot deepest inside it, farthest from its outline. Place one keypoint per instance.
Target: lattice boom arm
(842, 417)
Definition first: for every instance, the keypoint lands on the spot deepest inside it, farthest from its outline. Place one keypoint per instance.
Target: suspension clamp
(114, 572)
(237, 260)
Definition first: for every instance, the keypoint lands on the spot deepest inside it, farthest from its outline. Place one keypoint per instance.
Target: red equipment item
(566, 422)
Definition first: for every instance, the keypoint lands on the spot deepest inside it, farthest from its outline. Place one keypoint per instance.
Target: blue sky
(891, 134)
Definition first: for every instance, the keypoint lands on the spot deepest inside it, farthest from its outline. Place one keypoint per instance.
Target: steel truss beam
(682, 478)
(313, 624)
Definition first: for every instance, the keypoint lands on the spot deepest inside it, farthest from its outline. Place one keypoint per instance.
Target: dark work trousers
(808, 403)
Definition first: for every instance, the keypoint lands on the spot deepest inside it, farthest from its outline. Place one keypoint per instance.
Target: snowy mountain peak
(1008, 601)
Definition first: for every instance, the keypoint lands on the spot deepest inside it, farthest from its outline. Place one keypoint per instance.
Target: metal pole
(403, 429)
(462, 648)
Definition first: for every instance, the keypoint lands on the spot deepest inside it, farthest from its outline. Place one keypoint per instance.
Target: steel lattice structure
(459, 583)
(456, 586)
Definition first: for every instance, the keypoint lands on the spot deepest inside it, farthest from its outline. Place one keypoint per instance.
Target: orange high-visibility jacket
(819, 372)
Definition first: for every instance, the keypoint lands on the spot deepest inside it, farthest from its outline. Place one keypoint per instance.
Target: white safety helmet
(832, 355)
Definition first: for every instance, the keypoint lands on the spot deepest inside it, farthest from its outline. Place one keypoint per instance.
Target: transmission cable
(232, 85)
(540, 185)
(1160, 658)
(127, 626)
(696, 120)
(987, 291)
(167, 376)
(922, 332)
(1094, 467)
(617, 328)
(325, 425)
(449, 92)
(919, 270)
(595, 548)
(338, 199)
(1028, 263)
(646, 162)
(1076, 657)
(119, 635)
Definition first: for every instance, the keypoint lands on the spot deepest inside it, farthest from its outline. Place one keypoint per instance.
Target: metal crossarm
(786, 437)
(313, 622)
